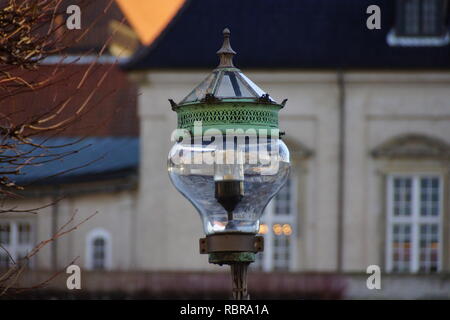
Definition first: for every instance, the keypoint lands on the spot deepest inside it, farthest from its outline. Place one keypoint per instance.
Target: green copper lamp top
(227, 99)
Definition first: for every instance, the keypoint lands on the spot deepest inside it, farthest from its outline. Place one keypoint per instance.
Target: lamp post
(228, 160)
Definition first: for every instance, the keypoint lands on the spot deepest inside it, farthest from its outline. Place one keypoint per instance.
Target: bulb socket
(229, 193)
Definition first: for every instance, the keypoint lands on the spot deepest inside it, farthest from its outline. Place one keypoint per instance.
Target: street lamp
(229, 161)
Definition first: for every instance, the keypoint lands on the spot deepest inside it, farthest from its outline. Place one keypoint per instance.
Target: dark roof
(285, 34)
(86, 160)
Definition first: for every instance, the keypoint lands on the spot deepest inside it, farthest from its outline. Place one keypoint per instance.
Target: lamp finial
(226, 53)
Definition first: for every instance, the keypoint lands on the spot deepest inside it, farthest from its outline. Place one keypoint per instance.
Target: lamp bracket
(231, 242)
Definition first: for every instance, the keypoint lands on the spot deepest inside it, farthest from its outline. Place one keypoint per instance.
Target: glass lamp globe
(228, 159)
(229, 195)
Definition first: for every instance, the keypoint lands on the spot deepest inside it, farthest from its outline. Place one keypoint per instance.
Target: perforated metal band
(229, 116)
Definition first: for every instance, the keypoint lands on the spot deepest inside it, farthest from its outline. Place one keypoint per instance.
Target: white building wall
(115, 215)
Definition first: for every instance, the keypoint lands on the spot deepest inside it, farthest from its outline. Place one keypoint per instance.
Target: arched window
(98, 250)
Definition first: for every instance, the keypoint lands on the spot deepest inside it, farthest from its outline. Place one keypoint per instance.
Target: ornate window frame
(413, 155)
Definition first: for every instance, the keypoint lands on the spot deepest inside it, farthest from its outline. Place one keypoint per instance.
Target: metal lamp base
(232, 245)
(237, 250)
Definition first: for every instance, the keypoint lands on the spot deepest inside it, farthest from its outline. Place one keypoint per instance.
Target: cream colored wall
(115, 214)
(310, 118)
(379, 106)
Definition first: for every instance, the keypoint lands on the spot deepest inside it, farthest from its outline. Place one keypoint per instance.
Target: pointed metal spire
(226, 53)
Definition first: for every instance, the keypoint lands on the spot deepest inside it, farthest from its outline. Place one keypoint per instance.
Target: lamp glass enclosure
(231, 183)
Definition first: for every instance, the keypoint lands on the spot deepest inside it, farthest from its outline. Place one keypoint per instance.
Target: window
(414, 223)
(420, 22)
(16, 239)
(278, 226)
(98, 251)
(421, 17)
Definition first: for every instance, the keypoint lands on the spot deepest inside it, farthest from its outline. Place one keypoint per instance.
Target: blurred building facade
(95, 163)
(368, 126)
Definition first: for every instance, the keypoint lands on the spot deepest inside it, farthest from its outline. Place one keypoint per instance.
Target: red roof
(110, 111)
